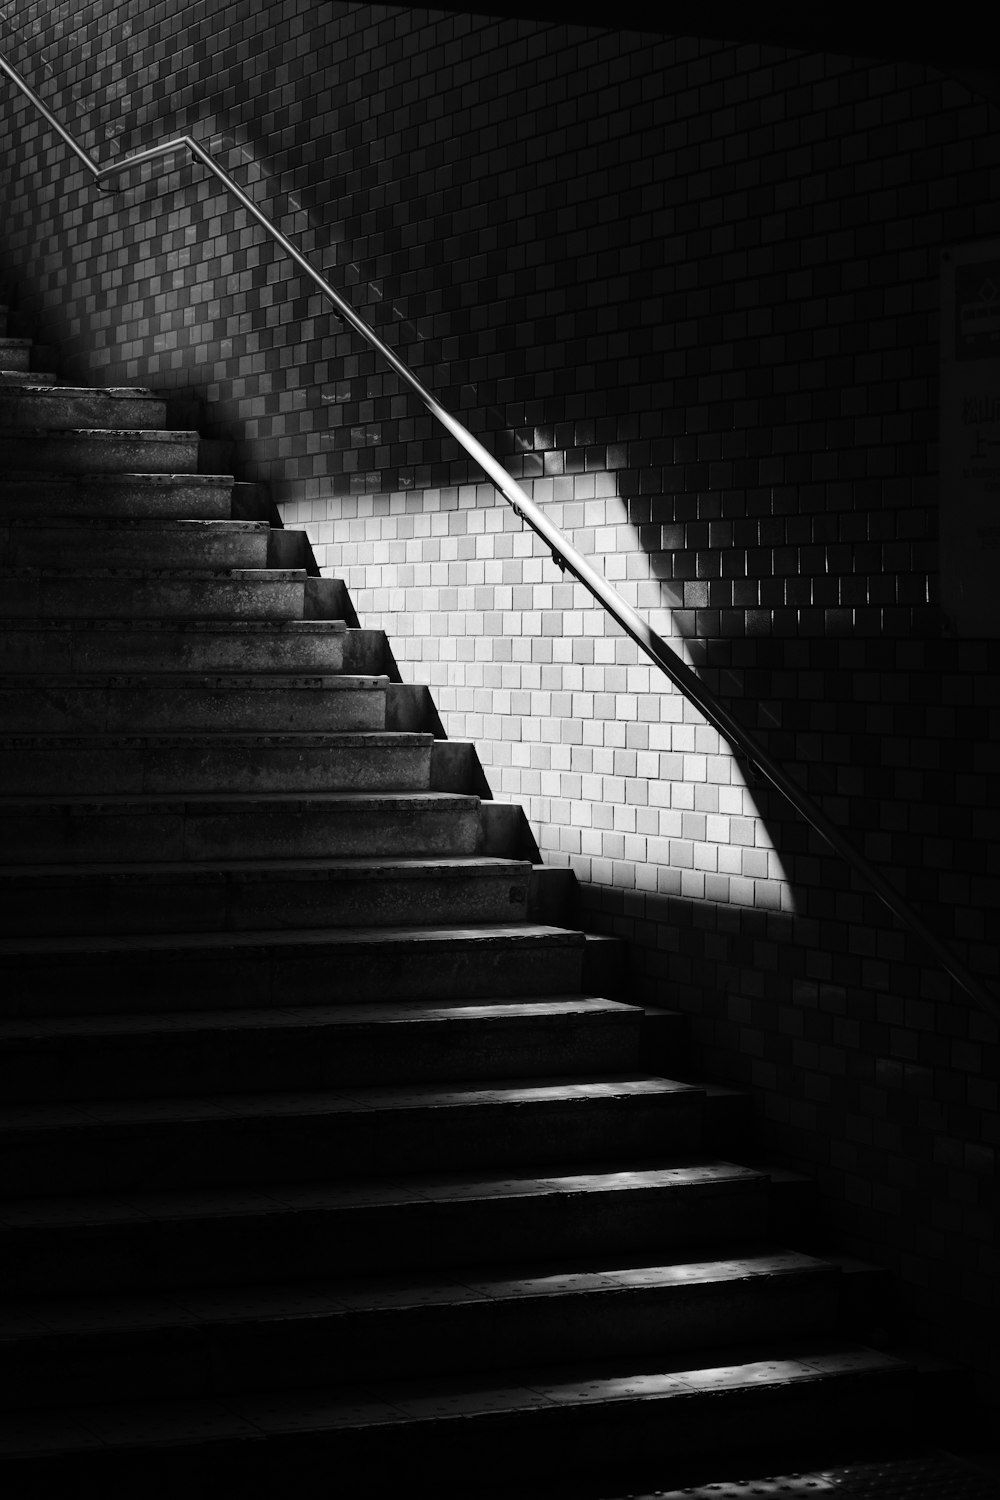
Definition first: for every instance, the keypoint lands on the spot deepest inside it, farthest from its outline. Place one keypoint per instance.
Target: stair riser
(15, 354)
(273, 901)
(260, 1246)
(24, 546)
(366, 651)
(32, 597)
(146, 452)
(72, 408)
(189, 497)
(214, 769)
(235, 709)
(616, 1443)
(285, 833)
(310, 974)
(109, 1158)
(169, 649)
(18, 377)
(315, 1057)
(345, 1347)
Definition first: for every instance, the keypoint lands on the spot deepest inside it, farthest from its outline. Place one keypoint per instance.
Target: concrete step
(165, 497)
(228, 1140)
(127, 542)
(665, 1039)
(367, 651)
(455, 764)
(15, 355)
(311, 1047)
(251, 896)
(151, 594)
(68, 765)
(198, 971)
(98, 451)
(282, 1232)
(318, 825)
(608, 971)
(580, 1424)
(21, 377)
(596, 1422)
(242, 646)
(159, 702)
(214, 1342)
(72, 407)
(866, 1298)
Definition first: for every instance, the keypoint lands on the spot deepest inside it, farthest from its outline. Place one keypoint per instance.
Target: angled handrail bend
(564, 554)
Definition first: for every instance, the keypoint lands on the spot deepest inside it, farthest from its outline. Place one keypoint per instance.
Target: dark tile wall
(689, 292)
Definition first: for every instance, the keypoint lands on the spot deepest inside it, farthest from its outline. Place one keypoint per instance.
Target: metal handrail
(564, 554)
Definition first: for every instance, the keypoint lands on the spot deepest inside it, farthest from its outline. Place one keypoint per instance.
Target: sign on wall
(970, 439)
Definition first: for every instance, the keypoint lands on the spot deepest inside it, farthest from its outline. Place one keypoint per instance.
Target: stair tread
(161, 739)
(99, 434)
(313, 1103)
(353, 867)
(442, 1187)
(115, 392)
(137, 523)
(275, 1018)
(175, 575)
(231, 801)
(523, 1281)
(394, 1403)
(192, 626)
(263, 681)
(123, 477)
(172, 942)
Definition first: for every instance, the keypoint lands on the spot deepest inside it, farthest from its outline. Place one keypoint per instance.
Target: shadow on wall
(703, 835)
(711, 840)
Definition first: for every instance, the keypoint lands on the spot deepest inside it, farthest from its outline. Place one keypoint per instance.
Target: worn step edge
(223, 1109)
(189, 527)
(363, 868)
(190, 680)
(108, 392)
(489, 935)
(361, 739)
(89, 804)
(247, 894)
(312, 1047)
(152, 436)
(575, 1412)
(208, 1343)
(112, 626)
(144, 1210)
(58, 1030)
(113, 479)
(354, 1133)
(522, 1281)
(350, 1132)
(25, 376)
(161, 575)
(280, 1231)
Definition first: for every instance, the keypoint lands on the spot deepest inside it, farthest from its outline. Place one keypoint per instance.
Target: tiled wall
(689, 292)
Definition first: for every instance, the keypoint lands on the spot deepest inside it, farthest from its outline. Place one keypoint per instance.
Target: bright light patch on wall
(716, 844)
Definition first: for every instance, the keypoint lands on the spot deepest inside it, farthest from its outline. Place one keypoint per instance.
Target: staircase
(324, 1156)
